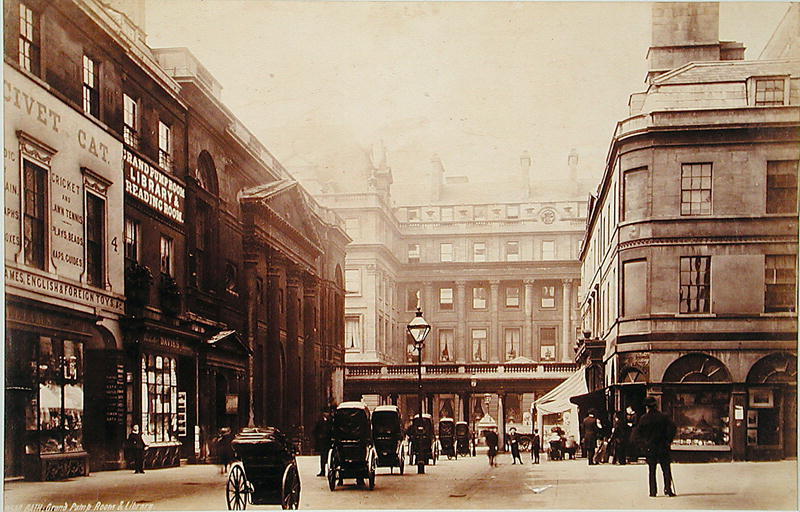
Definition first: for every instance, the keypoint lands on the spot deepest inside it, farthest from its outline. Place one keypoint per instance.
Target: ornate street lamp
(418, 328)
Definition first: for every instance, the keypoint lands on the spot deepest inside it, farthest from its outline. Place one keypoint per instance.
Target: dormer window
(767, 91)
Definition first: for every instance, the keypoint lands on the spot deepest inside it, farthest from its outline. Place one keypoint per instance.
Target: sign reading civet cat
(152, 187)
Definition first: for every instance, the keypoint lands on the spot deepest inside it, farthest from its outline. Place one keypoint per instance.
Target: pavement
(467, 483)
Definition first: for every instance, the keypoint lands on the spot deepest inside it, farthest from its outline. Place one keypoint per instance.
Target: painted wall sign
(153, 187)
(21, 278)
(41, 129)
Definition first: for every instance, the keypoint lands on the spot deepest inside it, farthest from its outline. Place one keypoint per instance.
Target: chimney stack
(684, 32)
(525, 162)
(572, 163)
(437, 177)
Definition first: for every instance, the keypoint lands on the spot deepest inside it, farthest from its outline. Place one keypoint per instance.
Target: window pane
(695, 284)
(696, 189)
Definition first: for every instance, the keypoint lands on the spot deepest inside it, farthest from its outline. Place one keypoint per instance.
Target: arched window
(780, 367)
(205, 221)
(697, 368)
(207, 173)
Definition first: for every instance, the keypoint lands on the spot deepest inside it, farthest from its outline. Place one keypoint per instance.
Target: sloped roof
(726, 71)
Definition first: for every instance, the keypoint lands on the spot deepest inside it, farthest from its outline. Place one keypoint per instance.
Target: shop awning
(230, 337)
(557, 399)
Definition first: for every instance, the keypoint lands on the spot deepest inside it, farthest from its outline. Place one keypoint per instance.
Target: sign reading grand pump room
(152, 187)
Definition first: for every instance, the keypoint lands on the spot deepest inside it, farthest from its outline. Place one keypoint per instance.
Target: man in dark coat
(491, 443)
(136, 448)
(536, 446)
(591, 431)
(654, 433)
(620, 437)
(322, 440)
(513, 441)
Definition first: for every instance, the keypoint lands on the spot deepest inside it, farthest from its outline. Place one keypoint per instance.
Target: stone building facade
(129, 251)
(689, 265)
(494, 269)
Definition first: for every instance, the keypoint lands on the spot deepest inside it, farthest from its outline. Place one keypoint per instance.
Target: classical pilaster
(461, 325)
(528, 345)
(428, 306)
(566, 324)
(494, 337)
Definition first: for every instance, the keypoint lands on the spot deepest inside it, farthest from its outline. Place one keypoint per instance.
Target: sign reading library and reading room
(152, 187)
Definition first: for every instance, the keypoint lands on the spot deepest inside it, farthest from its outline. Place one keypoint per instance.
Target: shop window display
(60, 401)
(701, 417)
(159, 398)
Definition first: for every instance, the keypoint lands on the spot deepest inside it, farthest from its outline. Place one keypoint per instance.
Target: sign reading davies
(152, 187)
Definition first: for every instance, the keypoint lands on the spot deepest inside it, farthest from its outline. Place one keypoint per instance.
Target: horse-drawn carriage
(447, 437)
(423, 445)
(352, 454)
(387, 434)
(463, 439)
(265, 471)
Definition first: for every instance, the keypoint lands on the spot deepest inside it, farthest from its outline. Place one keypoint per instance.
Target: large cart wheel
(237, 490)
(290, 488)
(332, 469)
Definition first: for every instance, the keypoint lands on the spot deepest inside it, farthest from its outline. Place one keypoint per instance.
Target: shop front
(164, 367)
(63, 281)
(223, 372)
(771, 408)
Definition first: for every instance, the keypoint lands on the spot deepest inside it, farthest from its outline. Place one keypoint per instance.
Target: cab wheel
(290, 490)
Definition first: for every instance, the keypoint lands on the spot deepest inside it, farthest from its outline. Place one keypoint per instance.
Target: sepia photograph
(400, 255)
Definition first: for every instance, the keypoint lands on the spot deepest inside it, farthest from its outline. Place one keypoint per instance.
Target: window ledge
(695, 315)
(779, 314)
(700, 448)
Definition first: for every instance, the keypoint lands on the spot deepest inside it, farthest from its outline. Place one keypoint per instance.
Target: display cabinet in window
(54, 416)
(701, 417)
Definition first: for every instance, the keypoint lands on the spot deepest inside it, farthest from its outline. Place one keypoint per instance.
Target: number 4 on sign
(114, 243)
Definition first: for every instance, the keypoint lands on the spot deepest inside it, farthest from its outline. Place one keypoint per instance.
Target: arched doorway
(772, 407)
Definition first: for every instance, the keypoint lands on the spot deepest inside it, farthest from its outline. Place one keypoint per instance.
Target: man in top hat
(591, 431)
(654, 433)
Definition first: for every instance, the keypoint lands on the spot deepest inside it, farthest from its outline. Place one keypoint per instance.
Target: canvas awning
(557, 399)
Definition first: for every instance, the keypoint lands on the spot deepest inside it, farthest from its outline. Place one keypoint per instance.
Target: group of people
(651, 435)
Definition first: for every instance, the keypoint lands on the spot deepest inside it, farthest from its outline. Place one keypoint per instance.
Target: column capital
(567, 282)
(427, 283)
(494, 282)
(461, 283)
(529, 282)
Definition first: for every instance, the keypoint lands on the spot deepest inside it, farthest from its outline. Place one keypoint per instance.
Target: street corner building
(162, 268)
(690, 254)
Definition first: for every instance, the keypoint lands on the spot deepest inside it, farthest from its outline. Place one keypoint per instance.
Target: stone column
(294, 348)
(460, 344)
(494, 348)
(566, 324)
(464, 397)
(501, 419)
(528, 344)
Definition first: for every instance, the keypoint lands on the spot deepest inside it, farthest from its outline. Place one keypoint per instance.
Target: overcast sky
(476, 83)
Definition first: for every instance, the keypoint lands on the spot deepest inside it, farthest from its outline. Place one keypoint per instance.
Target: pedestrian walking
(513, 442)
(322, 440)
(136, 448)
(654, 433)
(491, 443)
(536, 446)
(591, 431)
